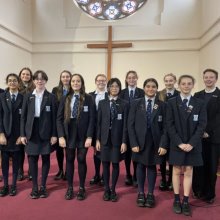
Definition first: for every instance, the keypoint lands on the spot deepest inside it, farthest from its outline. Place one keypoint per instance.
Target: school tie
(75, 106)
(113, 110)
(131, 97)
(149, 109)
(169, 94)
(64, 92)
(13, 98)
(185, 104)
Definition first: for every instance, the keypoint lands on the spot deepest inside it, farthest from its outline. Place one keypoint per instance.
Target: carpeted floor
(55, 207)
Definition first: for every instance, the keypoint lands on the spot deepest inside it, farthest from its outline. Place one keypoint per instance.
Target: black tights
(33, 165)
(151, 177)
(5, 166)
(82, 166)
(106, 175)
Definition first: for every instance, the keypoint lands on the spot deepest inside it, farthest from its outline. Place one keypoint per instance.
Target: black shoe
(95, 180)
(177, 207)
(114, 196)
(169, 186)
(197, 195)
(186, 210)
(163, 185)
(69, 193)
(81, 195)
(43, 192)
(134, 182)
(59, 175)
(107, 195)
(141, 200)
(29, 175)
(4, 191)
(64, 176)
(20, 175)
(150, 201)
(34, 194)
(128, 180)
(13, 191)
(209, 200)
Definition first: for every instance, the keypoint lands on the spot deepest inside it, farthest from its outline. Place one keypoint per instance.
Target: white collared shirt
(99, 96)
(188, 98)
(170, 91)
(131, 88)
(210, 91)
(16, 94)
(38, 101)
(152, 103)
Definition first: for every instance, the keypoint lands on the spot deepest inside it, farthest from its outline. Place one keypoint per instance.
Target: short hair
(150, 80)
(111, 81)
(186, 76)
(102, 75)
(43, 74)
(211, 70)
(170, 74)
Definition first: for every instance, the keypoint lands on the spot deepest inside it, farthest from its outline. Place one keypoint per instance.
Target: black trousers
(5, 166)
(82, 166)
(33, 165)
(204, 178)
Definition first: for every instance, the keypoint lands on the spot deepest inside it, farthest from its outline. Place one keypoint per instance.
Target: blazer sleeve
(125, 127)
(54, 115)
(200, 127)
(60, 118)
(170, 124)
(1, 118)
(164, 140)
(90, 129)
(23, 119)
(99, 121)
(131, 125)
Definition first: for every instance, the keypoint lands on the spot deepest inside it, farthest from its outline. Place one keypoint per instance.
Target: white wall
(15, 36)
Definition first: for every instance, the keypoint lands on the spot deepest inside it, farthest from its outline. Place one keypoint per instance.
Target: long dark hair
(67, 110)
(59, 91)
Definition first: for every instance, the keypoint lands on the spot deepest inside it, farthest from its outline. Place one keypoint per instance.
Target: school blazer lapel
(155, 109)
(17, 102)
(143, 110)
(180, 107)
(191, 107)
(8, 101)
(44, 101)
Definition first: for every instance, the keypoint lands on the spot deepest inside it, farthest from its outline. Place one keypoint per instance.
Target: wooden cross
(109, 45)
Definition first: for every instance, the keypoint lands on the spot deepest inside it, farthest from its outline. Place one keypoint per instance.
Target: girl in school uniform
(26, 85)
(186, 121)
(1, 91)
(164, 95)
(10, 141)
(60, 91)
(75, 125)
(38, 131)
(147, 139)
(112, 135)
(131, 93)
(99, 94)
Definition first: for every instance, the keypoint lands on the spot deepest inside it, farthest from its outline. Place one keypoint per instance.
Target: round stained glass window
(110, 9)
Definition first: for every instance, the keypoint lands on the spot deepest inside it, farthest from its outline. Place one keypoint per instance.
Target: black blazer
(2, 90)
(186, 127)
(137, 124)
(124, 94)
(96, 117)
(85, 122)
(213, 115)
(47, 119)
(10, 116)
(119, 124)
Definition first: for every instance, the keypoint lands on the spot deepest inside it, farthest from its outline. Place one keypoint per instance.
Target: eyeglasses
(114, 86)
(12, 81)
